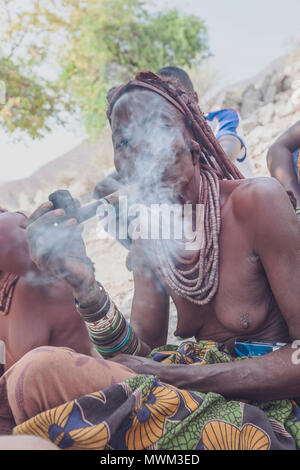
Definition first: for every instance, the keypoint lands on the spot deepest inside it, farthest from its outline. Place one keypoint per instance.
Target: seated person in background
(35, 309)
(284, 161)
(225, 124)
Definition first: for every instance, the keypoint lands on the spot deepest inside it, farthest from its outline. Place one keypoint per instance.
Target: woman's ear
(195, 151)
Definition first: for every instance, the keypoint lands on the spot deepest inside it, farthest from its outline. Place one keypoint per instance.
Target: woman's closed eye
(122, 143)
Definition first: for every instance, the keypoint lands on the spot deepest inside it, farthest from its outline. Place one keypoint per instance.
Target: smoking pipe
(62, 199)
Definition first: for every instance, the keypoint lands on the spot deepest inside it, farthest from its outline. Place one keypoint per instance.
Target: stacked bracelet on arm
(109, 331)
(297, 210)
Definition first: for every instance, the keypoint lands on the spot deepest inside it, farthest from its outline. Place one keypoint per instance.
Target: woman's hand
(56, 246)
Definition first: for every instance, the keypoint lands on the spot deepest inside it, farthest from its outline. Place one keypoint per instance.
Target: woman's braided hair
(198, 277)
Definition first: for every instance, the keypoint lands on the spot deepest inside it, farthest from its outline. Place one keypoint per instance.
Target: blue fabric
(296, 160)
(226, 122)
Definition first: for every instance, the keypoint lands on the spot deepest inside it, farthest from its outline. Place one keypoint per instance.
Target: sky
(244, 36)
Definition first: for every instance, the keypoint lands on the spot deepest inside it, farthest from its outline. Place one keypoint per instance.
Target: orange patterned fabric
(145, 413)
(220, 435)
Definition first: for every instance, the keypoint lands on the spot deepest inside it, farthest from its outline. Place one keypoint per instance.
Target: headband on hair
(115, 93)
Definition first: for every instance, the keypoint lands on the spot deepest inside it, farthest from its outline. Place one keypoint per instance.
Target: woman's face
(150, 139)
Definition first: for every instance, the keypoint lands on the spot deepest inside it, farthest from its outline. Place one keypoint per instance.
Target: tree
(88, 46)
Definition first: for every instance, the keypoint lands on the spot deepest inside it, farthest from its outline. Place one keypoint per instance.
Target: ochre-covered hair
(211, 151)
(198, 277)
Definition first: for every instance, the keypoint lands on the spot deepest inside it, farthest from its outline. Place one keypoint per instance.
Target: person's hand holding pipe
(56, 246)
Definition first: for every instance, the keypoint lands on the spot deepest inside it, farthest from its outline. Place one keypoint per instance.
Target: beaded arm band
(108, 330)
(297, 210)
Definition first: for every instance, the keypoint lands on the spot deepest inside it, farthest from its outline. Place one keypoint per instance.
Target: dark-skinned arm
(57, 248)
(280, 160)
(269, 377)
(275, 375)
(150, 306)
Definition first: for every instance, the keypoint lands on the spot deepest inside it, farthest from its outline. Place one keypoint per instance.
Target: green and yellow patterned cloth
(144, 413)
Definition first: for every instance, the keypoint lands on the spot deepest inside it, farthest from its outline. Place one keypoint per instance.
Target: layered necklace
(198, 279)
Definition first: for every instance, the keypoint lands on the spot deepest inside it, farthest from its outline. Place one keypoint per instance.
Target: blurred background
(58, 59)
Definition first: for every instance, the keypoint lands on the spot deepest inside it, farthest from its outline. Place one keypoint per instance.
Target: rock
(249, 125)
(286, 83)
(270, 88)
(265, 114)
(284, 108)
(256, 135)
(270, 94)
(231, 100)
(258, 149)
(251, 101)
(295, 118)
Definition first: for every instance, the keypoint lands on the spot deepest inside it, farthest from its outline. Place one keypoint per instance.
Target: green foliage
(89, 46)
(29, 105)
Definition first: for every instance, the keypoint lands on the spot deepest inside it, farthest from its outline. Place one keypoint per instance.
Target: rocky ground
(268, 106)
